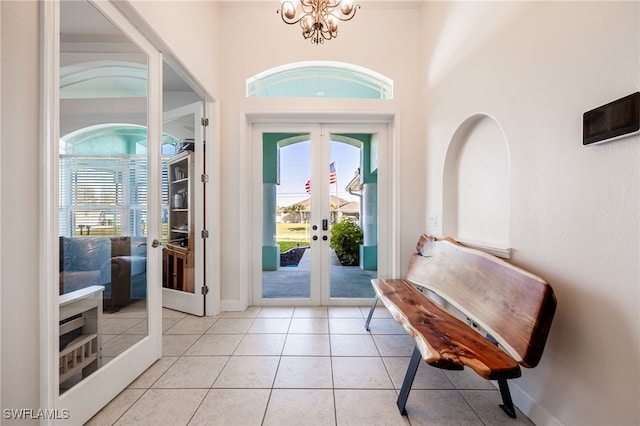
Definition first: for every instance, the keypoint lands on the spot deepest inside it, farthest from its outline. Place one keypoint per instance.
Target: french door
(314, 215)
(183, 210)
(100, 207)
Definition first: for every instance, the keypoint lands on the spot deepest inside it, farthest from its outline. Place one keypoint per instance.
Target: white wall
(189, 31)
(19, 216)
(384, 39)
(536, 67)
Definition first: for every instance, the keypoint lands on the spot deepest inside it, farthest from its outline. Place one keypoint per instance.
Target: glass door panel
(352, 206)
(107, 318)
(103, 200)
(286, 213)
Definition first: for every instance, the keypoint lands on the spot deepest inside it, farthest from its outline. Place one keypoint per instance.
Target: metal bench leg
(408, 380)
(373, 308)
(507, 403)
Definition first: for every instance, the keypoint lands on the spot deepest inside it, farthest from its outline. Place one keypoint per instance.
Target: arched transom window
(320, 79)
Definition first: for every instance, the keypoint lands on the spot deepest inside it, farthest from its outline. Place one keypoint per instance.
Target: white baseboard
(532, 408)
(232, 306)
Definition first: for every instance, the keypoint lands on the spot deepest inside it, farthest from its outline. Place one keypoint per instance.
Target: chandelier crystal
(318, 18)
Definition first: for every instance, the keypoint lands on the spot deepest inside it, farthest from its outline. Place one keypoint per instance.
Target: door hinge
(204, 289)
(204, 178)
(204, 121)
(204, 233)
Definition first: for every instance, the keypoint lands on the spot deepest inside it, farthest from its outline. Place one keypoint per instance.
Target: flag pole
(335, 172)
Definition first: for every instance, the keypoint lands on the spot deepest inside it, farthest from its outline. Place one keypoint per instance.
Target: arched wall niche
(476, 184)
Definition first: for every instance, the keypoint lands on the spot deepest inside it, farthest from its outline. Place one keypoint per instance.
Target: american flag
(333, 178)
(332, 173)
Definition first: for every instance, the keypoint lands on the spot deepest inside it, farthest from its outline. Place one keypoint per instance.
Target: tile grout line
(288, 334)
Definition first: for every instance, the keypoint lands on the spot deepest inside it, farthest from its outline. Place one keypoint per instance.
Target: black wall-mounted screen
(612, 121)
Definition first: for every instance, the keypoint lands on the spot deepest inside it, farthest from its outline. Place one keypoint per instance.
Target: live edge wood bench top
(444, 341)
(512, 306)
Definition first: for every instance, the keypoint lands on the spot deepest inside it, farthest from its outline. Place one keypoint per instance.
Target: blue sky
(295, 163)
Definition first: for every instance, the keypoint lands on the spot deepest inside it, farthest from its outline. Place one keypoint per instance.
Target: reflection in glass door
(103, 195)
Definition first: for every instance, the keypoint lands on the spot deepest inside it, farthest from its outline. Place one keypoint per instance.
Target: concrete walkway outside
(294, 281)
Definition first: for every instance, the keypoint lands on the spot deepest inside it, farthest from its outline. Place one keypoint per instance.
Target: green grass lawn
(290, 235)
(286, 245)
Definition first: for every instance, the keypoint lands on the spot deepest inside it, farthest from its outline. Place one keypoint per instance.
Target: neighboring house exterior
(339, 208)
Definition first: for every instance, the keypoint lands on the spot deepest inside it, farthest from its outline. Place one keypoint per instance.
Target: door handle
(325, 224)
(155, 243)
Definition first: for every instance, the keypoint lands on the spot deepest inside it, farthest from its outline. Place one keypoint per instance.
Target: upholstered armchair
(128, 271)
(117, 263)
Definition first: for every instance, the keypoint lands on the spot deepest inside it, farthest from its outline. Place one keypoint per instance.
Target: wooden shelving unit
(179, 266)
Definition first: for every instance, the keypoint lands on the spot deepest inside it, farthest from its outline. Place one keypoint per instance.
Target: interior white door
(183, 212)
(126, 207)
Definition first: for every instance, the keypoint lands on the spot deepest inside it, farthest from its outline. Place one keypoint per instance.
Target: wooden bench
(512, 307)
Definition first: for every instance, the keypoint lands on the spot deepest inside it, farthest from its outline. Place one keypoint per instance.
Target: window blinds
(104, 196)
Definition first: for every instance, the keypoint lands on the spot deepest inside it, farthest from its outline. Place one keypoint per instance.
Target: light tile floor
(296, 366)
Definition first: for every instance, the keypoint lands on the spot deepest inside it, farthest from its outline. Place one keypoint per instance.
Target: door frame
(340, 120)
(110, 379)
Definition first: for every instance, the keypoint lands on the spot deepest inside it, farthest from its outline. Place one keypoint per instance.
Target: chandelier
(318, 18)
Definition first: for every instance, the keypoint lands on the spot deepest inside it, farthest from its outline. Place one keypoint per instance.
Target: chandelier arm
(351, 15)
(308, 6)
(346, 17)
(311, 7)
(325, 29)
(286, 21)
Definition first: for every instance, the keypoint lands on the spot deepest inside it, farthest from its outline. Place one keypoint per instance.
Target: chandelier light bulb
(288, 9)
(332, 24)
(346, 7)
(307, 23)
